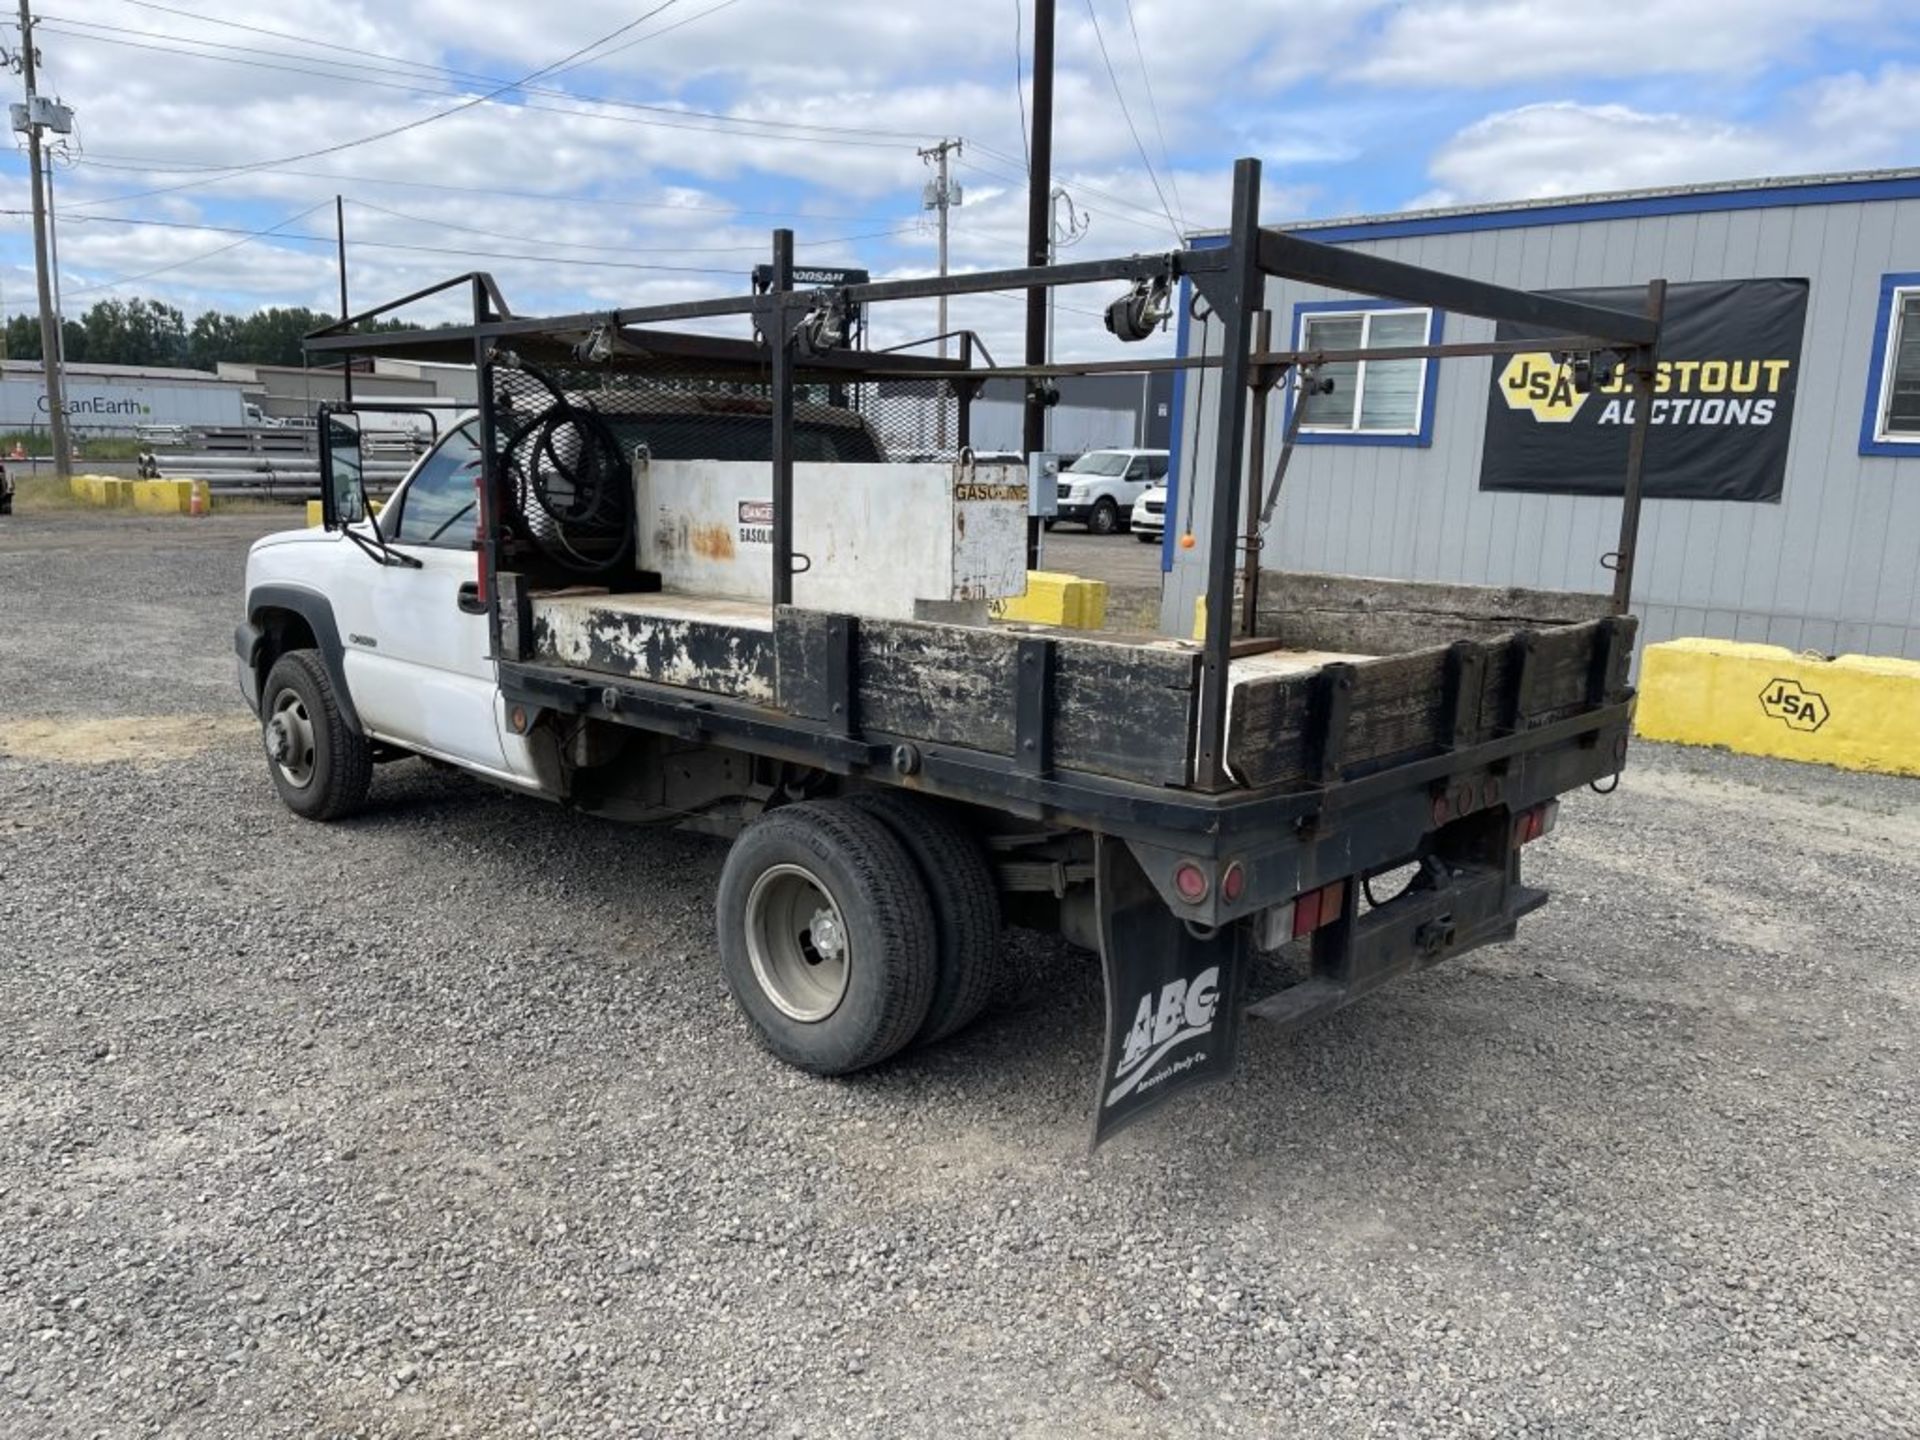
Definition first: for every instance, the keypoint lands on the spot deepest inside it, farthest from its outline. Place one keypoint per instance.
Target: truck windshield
(1100, 462)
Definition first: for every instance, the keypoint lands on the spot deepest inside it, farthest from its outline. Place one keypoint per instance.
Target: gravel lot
(438, 1123)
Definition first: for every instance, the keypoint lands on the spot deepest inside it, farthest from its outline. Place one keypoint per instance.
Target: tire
(966, 907)
(826, 1013)
(1105, 519)
(1146, 537)
(1048, 524)
(326, 767)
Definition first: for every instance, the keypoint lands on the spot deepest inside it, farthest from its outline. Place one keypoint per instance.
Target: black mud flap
(1173, 997)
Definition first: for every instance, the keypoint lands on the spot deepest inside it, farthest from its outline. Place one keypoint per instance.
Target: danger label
(756, 522)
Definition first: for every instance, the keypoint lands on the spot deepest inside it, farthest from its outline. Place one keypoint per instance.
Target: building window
(1373, 402)
(1891, 425)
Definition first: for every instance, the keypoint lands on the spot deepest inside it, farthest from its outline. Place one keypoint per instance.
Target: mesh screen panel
(563, 439)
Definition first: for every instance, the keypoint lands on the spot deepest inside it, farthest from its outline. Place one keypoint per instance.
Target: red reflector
(1306, 914)
(1233, 884)
(1333, 899)
(1190, 882)
(1319, 907)
(1532, 824)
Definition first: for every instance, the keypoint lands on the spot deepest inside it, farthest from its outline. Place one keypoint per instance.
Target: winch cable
(566, 461)
(1199, 404)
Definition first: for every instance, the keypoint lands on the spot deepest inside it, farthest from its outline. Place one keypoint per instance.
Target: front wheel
(1105, 518)
(321, 765)
(1146, 537)
(826, 937)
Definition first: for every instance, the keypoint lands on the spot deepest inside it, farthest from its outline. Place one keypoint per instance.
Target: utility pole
(1059, 237)
(53, 250)
(340, 235)
(1039, 239)
(26, 119)
(941, 194)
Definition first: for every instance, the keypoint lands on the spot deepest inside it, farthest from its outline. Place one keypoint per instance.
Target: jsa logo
(1180, 1011)
(1800, 708)
(1536, 382)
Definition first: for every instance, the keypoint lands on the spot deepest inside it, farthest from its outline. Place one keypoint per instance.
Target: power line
(627, 249)
(362, 59)
(413, 124)
(1080, 186)
(191, 259)
(1020, 82)
(380, 244)
(150, 165)
(1016, 180)
(1140, 52)
(654, 35)
(405, 87)
(1127, 115)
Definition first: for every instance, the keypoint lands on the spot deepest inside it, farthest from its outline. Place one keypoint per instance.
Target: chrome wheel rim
(797, 942)
(289, 737)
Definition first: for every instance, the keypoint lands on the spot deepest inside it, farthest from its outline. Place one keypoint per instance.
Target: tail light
(1302, 915)
(1532, 824)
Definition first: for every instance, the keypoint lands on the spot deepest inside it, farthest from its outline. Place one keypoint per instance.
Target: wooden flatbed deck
(1123, 707)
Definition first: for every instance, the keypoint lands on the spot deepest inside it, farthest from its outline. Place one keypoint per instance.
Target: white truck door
(417, 656)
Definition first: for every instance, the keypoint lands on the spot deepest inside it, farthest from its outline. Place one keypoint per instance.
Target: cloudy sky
(653, 164)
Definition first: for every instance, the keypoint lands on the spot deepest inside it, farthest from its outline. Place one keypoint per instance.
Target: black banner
(1722, 408)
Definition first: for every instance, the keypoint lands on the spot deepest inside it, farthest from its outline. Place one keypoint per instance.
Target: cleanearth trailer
(667, 575)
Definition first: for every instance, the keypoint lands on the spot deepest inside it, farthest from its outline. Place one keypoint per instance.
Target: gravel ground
(438, 1122)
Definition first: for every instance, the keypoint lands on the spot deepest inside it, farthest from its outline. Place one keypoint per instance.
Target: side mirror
(343, 491)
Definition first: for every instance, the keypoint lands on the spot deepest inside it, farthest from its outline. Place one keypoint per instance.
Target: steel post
(779, 338)
(1233, 295)
(1645, 364)
(1256, 466)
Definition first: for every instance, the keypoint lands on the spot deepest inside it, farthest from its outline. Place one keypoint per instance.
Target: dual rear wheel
(852, 928)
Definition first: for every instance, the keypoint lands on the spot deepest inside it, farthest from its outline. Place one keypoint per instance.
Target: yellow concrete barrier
(1056, 599)
(314, 517)
(168, 497)
(107, 491)
(1860, 712)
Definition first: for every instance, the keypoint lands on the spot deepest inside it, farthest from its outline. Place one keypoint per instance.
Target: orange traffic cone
(19, 451)
(197, 499)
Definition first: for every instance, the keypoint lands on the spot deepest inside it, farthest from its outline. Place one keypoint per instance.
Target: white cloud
(1470, 45)
(609, 183)
(1843, 122)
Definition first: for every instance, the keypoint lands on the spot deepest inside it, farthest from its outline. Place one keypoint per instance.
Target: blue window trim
(1870, 444)
(1430, 385)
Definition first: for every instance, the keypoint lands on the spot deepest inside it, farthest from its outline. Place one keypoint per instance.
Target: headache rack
(1121, 735)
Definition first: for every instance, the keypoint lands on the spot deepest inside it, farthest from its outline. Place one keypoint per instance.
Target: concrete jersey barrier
(1859, 712)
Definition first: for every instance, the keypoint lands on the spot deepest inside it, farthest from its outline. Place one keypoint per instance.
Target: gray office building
(1784, 481)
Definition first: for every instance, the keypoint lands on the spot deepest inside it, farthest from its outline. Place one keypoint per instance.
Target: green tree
(135, 332)
(215, 336)
(151, 332)
(23, 338)
(272, 336)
